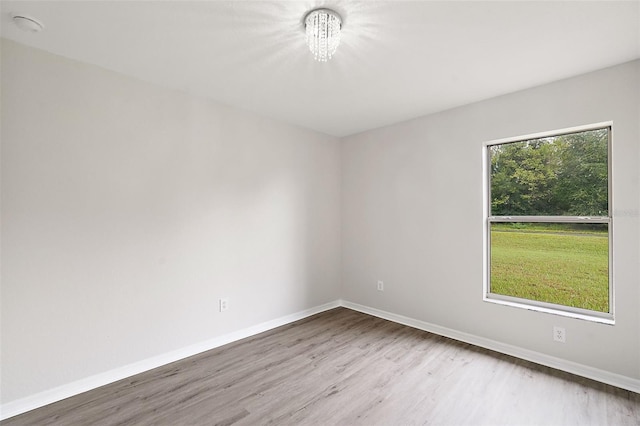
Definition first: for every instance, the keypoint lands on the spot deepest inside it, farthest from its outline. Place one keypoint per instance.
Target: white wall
(129, 209)
(412, 216)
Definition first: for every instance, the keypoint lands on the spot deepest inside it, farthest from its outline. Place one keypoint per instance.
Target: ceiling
(397, 59)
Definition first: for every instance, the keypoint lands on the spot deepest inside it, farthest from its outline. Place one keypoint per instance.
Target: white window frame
(533, 305)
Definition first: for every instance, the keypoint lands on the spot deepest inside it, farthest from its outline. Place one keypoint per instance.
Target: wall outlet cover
(559, 334)
(224, 305)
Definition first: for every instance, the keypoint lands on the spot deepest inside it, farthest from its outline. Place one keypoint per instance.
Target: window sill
(603, 318)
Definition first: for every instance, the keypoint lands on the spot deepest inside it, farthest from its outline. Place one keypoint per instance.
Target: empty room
(320, 212)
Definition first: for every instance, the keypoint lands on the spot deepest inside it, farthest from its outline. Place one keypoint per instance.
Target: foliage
(561, 175)
(560, 228)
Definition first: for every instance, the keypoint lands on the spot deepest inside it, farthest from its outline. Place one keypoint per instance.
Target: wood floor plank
(343, 367)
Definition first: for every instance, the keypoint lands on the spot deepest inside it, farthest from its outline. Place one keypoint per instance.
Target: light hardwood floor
(343, 367)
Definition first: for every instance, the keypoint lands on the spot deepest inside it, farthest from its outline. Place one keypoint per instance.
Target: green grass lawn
(566, 268)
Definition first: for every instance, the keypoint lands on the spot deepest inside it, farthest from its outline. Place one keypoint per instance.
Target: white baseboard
(41, 399)
(603, 376)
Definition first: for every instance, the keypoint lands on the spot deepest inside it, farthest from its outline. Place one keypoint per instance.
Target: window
(548, 222)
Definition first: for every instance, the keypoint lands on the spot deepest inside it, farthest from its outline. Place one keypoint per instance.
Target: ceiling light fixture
(323, 28)
(27, 23)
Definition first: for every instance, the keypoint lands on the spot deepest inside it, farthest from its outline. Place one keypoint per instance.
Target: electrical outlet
(559, 334)
(380, 286)
(224, 305)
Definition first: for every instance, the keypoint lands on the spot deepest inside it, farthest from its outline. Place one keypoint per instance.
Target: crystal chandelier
(323, 33)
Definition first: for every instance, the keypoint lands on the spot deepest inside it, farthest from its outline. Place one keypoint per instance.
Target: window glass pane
(562, 263)
(563, 175)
